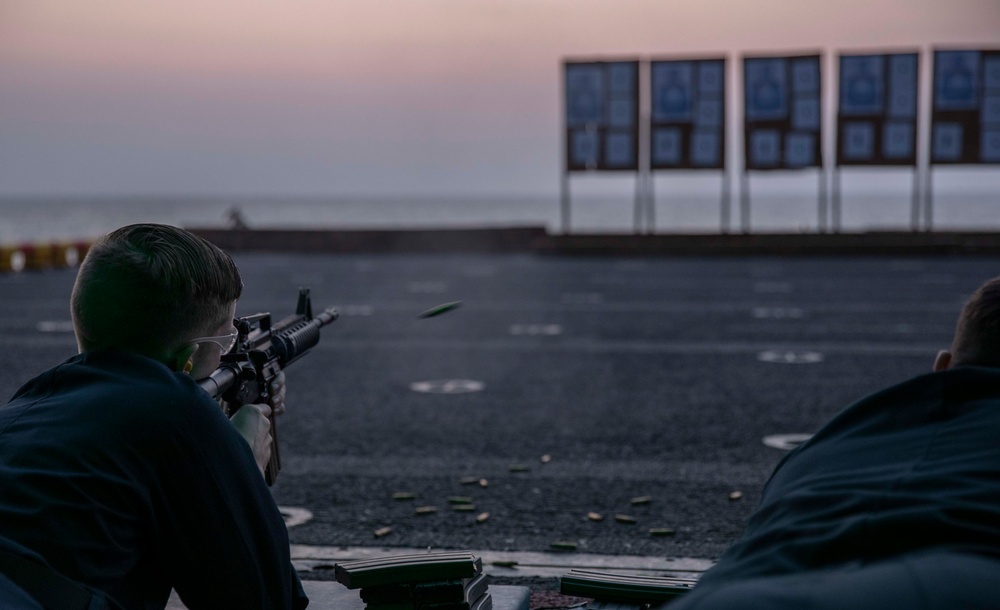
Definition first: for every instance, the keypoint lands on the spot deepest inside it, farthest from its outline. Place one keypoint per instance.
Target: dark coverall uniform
(126, 476)
(895, 503)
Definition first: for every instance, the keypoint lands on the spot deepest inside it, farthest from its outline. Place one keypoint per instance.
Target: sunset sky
(366, 97)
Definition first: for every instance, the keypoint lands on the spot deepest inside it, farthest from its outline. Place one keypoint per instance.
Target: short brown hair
(977, 336)
(147, 287)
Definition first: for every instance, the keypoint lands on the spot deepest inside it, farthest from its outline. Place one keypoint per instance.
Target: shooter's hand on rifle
(253, 422)
(277, 400)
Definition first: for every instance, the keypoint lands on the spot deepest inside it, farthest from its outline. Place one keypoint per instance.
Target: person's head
(152, 289)
(977, 334)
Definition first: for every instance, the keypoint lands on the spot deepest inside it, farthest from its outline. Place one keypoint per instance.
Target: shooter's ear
(182, 361)
(942, 361)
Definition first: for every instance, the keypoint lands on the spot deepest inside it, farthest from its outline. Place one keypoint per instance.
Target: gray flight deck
(654, 378)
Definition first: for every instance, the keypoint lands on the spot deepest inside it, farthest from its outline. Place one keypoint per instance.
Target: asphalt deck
(641, 386)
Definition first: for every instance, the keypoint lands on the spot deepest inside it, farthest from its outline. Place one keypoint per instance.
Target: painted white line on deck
(625, 346)
(447, 386)
(536, 329)
(790, 357)
(54, 326)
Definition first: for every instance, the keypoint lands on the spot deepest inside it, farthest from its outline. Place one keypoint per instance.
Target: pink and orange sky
(373, 97)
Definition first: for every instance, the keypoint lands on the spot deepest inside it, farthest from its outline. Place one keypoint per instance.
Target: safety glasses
(226, 342)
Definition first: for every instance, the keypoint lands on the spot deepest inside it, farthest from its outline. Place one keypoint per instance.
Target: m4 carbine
(262, 350)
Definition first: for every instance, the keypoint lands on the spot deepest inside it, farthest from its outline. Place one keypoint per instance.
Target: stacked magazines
(428, 581)
(623, 589)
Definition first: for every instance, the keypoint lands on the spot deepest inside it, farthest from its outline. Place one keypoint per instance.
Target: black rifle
(262, 350)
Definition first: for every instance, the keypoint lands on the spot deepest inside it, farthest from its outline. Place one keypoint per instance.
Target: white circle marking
(294, 516)
(786, 441)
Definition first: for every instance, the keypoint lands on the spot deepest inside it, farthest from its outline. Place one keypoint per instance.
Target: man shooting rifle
(120, 477)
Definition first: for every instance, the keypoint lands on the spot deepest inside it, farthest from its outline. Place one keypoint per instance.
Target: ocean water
(771, 209)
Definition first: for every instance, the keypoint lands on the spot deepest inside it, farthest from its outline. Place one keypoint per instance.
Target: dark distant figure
(235, 219)
(895, 503)
(120, 478)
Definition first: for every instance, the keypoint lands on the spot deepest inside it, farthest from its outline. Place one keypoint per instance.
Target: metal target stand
(965, 114)
(602, 127)
(687, 111)
(783, 130)
(878, 119)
